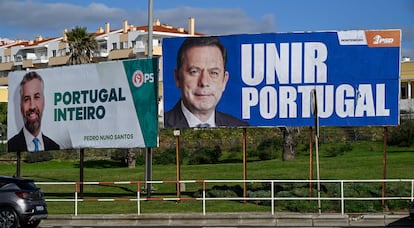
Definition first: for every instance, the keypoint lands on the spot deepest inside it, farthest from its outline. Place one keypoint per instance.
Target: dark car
(21, 203)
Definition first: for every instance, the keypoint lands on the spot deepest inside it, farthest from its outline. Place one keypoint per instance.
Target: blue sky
(25, 19)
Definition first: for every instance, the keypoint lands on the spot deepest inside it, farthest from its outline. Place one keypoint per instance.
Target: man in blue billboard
(32, 102)
(201, 76)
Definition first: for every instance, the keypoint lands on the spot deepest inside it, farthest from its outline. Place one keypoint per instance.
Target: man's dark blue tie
(203, 125)
(36, 143)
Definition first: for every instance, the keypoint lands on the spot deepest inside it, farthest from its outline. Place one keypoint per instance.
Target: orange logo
(383, 38)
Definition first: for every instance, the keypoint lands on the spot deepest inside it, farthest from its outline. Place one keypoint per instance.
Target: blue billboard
(264, 80)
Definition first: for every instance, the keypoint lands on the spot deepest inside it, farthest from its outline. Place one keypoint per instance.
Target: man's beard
(32, 125)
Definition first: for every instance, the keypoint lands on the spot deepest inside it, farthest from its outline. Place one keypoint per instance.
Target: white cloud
(26, 19)
(29, 18)
(216, 21)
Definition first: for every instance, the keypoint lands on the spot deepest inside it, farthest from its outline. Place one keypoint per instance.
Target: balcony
(121, 54)
(156, 51)
(58, 60)
(6, 66)
(4, 81)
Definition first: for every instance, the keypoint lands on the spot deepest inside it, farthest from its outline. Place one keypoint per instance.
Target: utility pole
(148, 156)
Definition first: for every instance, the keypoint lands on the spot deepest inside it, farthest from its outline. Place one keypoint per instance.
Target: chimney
(39, 38)
(191, 26)
(100, 30)
(64, 37)
(107, 28)
(125, 26)
(157, 22)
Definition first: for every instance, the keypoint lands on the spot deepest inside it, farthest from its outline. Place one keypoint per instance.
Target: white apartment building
(125, 43)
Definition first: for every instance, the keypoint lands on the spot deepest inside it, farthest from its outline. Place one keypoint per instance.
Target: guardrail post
(272, 193)
(76, 199)
(139, 197)
(204, 198)
(342, 198)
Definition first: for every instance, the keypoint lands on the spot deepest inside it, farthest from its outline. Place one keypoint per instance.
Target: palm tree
(82, 45)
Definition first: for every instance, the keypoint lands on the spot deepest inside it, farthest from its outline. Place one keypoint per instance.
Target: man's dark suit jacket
(18, 143)
(175, 119)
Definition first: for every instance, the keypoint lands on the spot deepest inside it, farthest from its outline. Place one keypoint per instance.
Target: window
(18, 58)
(62, 52)
(404, 90)
(114, 46)
(54, 53)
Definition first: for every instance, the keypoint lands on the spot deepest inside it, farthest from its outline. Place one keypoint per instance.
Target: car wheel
(8, 218)
(33, 224)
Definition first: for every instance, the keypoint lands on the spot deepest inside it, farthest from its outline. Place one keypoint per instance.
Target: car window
(9, 186)
(27, 185)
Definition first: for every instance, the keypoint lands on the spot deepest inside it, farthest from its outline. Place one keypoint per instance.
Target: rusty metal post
(384, 169)
(244, 163)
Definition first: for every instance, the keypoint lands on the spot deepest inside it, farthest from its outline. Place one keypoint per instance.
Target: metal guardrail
(204, 198)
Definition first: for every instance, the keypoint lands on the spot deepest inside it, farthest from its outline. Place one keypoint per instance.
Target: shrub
(268, 149)
(338, 149)
(165, 157)
(205, 155)
(260, 194)
(222, 191)
(402, 135)
(39, 157)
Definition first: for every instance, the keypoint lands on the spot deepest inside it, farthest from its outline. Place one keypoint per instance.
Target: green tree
(82, 45)
(3, 121)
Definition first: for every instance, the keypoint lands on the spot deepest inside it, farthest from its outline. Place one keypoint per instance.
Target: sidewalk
(232, 219)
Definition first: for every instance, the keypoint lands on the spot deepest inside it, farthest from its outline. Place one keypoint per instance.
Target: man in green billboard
(32, 102)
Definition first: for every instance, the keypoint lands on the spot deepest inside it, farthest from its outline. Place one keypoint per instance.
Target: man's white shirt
(193, 121)
(29, 140)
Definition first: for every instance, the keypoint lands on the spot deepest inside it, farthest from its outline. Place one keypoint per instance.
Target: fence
(342, 198)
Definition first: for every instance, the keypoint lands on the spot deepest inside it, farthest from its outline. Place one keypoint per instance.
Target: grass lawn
(365, 161)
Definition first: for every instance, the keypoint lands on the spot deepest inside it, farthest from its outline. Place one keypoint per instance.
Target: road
(229, 220)
(213, 226)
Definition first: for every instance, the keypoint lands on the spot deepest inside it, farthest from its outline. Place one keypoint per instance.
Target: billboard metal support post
(150, 28)
(148, 160)
(244, 163)
(177, 158)
(148, 171)
(384, 169)
(81, 173)
(310, 162)
(315, 114)
(19, 161)
(317, 172)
